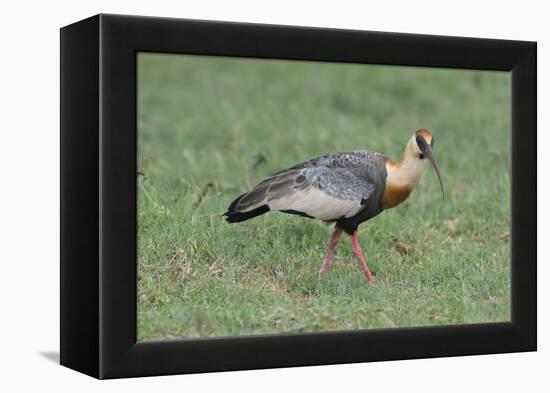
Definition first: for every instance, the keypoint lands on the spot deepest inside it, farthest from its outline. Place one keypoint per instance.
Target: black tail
(232, 216)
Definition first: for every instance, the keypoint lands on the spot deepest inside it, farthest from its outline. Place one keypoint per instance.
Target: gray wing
(325, 193)
(366, 165)
(362, 163)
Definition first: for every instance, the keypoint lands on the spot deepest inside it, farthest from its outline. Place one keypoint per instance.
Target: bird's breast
(393, 195)
(400, 181)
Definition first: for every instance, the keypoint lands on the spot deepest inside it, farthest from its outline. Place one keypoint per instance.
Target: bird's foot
(368, 275)
(370, 279)
(324, 267)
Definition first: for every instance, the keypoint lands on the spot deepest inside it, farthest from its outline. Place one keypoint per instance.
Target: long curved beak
(430, 155)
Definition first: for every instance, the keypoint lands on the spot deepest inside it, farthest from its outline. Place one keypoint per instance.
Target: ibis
(346, 188)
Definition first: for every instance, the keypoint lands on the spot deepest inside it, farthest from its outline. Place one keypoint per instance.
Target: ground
(210, 128)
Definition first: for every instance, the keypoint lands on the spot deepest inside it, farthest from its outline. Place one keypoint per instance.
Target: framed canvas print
(239, 196)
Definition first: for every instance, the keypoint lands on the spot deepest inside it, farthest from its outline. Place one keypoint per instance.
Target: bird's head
(422, 143)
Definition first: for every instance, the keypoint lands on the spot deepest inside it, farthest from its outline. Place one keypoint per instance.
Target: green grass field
(209, 128)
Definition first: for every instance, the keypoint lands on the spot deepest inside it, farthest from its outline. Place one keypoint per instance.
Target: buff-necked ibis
(345, 188)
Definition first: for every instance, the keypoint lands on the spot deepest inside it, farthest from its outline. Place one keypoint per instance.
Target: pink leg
(331, 246)
(358, 252)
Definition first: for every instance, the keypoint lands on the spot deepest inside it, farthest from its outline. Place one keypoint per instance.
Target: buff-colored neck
(407, 172)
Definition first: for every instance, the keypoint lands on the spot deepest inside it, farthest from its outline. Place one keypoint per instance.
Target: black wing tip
(233, 216)
(227, 216)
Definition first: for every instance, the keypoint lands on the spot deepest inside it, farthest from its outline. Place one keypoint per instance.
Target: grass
(209, 128)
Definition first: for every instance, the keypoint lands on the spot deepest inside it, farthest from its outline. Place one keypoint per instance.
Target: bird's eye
(421, 156)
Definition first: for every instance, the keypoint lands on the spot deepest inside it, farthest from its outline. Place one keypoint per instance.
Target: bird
(346, 188)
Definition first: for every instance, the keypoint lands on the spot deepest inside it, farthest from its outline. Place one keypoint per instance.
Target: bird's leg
(358, 252)
(331, 246)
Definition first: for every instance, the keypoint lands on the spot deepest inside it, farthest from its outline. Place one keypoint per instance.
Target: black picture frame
(98, 196)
